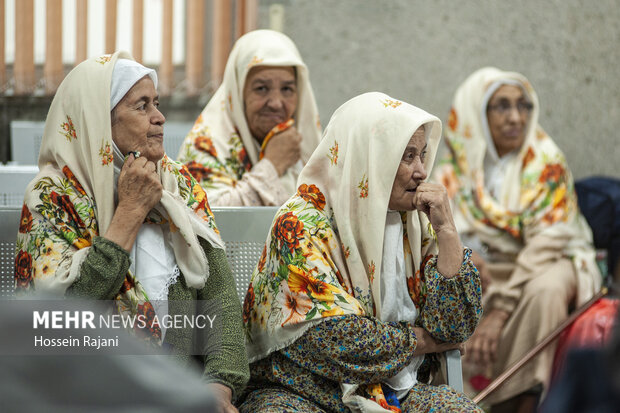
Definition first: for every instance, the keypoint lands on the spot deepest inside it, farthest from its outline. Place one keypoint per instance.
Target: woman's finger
(130, 159)
(150, 166)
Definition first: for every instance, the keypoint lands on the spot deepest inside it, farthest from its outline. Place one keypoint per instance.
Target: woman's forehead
(418, 139)
(509, 92)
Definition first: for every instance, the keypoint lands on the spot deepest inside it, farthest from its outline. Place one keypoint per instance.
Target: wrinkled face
(270, 97)
(137, 123)
(410, 173)
(508, 113)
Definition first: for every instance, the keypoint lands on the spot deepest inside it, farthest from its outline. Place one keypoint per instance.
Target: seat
(244, 231)
(174, 134)
(9, 222)
(13, 182)
(599, 202)
(26, 139)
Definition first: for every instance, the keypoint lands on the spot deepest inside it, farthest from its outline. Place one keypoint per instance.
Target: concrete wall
(421, 50)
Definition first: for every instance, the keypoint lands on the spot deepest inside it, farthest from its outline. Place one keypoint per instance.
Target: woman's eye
(423, 155)
(260, 89)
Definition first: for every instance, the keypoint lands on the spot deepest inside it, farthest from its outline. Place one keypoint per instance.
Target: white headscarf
(334, 231)
(126, 73)
(536, 195)
(347, 184)
(223, 120)
(81, 109)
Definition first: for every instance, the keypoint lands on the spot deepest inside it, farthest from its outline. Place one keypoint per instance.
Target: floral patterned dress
(312, 314)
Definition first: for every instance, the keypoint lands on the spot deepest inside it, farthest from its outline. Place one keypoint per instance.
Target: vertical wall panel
(81, 35)
(24, 47)
(2, 49)
(110, 26)
(138, 29)
(222, 16)
(166, 69)
(52, 68)
(240, 10)
(195, 46)
(251, 15)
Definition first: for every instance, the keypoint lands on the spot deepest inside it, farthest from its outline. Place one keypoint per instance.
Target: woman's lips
(513, 133)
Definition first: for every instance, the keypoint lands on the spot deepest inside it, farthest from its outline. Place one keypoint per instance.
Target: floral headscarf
(323, 255)
(537, 193)
(71, 200)
(220, 148)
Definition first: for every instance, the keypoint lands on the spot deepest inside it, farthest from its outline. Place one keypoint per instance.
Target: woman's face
(137, 123)
(270, 98)
(410, 173)
(508, 113)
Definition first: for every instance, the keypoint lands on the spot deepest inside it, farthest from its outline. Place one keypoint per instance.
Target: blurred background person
(514, 204)
(259, 128)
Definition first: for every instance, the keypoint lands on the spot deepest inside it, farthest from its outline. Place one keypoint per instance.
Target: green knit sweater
(223, 351)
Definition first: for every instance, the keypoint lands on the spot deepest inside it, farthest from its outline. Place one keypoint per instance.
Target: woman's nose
(158, 118)
(419, 172)
(513, 114)
(275, 101)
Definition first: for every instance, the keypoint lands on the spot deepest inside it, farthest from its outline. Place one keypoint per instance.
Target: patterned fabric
(537, 195)
(355, 349)
(71, 200)
(220, 150)
(423, 398)
(323, 255)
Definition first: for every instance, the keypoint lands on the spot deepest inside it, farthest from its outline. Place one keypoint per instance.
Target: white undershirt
(152, 258)
(396, 304)
(495, 173)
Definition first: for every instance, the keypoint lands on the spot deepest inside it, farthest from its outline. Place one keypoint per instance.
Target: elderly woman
(515, 205)
(111, 217)
(253, 137)
(362, 275)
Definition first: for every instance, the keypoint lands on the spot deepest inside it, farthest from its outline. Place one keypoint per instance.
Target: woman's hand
(223, 395)
(482, 346)
(139, 190)
(284, 149)
(432, 200)
(427, 344)
(139, 186)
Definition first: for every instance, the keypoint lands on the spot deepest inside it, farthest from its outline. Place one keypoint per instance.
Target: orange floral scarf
(71, 200)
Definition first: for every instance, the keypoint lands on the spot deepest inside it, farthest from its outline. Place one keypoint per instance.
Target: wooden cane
(537, 348)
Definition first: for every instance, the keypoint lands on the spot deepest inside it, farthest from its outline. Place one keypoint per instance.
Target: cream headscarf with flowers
(220, 148)
(537, 194)
(71, 200)
(323, 255)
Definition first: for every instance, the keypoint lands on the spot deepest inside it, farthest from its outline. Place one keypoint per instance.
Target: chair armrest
(454, 371)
